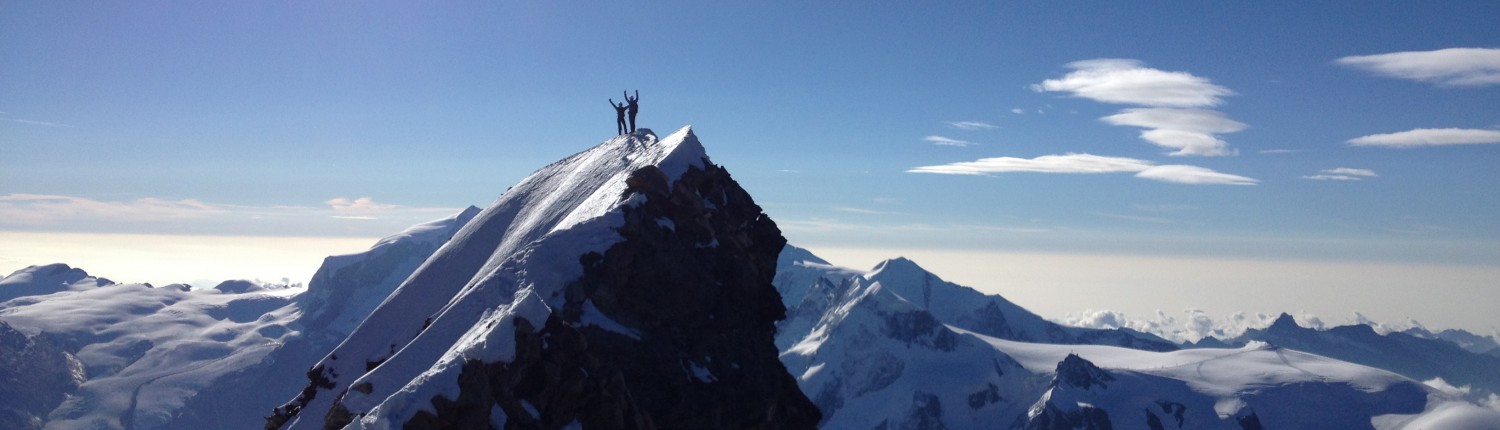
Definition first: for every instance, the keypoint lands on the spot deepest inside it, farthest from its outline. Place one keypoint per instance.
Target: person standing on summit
(619, 116)
(633, 106)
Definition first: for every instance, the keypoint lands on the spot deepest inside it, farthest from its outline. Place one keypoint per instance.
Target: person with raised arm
(633, 106)
(619, 116)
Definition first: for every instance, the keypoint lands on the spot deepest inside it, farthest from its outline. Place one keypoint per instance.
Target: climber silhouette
(619, 116)
(633, 107)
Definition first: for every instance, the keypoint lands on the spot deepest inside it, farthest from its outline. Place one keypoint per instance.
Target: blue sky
(847, 121)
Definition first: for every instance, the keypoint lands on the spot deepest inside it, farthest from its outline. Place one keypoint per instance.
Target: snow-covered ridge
(177, 358)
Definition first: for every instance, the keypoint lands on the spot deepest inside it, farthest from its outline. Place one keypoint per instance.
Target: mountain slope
(875, 360)
(625, 286)
(960, 306)
(171, 357)
(872, 357)
(1414, 357)
(341, 293)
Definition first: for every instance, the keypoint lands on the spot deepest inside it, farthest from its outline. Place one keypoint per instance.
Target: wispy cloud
(1068, 163)
(1189, 131)
(1018, 111)
(1089, 163)
(1193, 175)
(972, 125)
(1452, 67)
(362, 204)
(824, 225)
(34, 209)
(77, 213)
(1342, 174)
(1429, 137)
(947, 141)
(1126, 81)
(1137, 218)
(34, 122)
(865, 211)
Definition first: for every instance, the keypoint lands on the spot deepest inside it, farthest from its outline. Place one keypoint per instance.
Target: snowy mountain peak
(634, 257)
(898, 266)
(47, 279)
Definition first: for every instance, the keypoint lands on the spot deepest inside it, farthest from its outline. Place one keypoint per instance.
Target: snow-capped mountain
(870, 357)
(170, 357)
(875, 360)
(1415, 357)
(799, 271)
(626, 286)
(145, 350)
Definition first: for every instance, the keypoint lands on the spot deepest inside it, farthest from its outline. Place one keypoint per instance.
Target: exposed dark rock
(1077, 372)
(921, 328)
(35, 377)
(984, 397)
(692, 279)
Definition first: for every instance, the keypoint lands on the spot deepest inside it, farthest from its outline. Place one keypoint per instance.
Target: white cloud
(1492, 402)
(946, 141)
(1174, 117)
(1189, 131)
(1441, 385)
(1452, 67)
(1197, 120)
(1342, 174)
(1088, 163)
(1429, 137)
(1125, 81)
(36, 209)
(1018, 111)
(362, 204)
(61, 213)
(972, 125)
(1069, 163)
(1193, 175)
(823, 225)
(1194, 326)
(1331, 178)
(33, 122)
(1350, 171)
(864, 211)
(1188, 142)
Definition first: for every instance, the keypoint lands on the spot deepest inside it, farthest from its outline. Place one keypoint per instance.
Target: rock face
(35, 377)
(627, 286)
(692, 284)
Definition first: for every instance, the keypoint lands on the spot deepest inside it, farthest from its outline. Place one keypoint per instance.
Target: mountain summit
(626, 286)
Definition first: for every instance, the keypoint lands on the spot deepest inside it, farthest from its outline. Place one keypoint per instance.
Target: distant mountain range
(636, 285)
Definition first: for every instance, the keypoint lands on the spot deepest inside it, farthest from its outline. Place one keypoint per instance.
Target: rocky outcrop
(35, 377)
(672, 327)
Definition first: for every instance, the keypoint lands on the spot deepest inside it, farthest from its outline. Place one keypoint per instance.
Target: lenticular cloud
(1173, 118)
(1125, 81)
